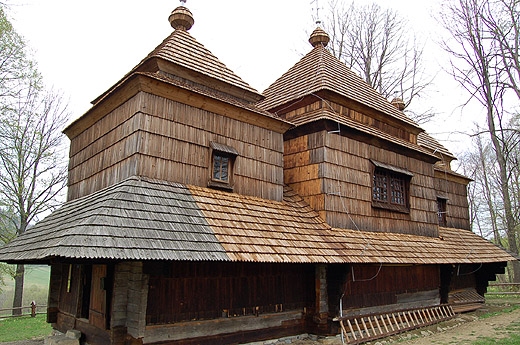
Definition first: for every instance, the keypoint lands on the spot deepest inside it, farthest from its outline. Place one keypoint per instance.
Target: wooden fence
(504, 289)
(32, 310)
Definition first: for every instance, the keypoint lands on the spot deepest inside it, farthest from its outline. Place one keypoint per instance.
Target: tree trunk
(487, 193)
(18, 289)
(504, 189)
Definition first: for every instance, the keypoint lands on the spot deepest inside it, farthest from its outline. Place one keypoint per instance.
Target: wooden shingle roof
(131, 220)
(427, 141)
(320, 70)
(182, 49)
(181, 52)
(144, 219)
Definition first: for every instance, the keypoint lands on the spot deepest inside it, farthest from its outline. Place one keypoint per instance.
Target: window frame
(442, 211)
(229, 153)
(390, 175)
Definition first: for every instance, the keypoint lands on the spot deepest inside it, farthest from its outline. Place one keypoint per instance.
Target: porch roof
(144, 219)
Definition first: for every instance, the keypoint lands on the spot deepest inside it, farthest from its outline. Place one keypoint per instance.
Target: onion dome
(398, 103)
(181, 18)
(319, 37)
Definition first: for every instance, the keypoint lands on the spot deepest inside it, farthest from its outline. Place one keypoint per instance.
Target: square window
(390, 189)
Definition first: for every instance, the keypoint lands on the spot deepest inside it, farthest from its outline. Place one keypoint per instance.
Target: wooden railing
(32, 310)
(504, 289)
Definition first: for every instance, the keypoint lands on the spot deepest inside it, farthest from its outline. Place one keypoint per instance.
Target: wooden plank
(395, 321)
(357, 326)
(351, 330)
(378, 326)
(344, 331)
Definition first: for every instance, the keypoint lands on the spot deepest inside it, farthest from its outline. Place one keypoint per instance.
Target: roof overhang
(177, 91)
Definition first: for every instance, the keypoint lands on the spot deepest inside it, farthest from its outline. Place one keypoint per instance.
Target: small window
(221, 168)
(441, 211)
(222, 161)
(390, 188)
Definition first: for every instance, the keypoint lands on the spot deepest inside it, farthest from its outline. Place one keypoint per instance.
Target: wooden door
(98, 297)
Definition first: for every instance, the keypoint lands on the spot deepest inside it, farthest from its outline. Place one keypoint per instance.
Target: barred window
(390, 190)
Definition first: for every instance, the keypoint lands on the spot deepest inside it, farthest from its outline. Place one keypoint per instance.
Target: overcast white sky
(84, 47)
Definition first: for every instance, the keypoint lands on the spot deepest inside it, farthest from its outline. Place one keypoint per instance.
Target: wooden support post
(322, 298)
(33, 309)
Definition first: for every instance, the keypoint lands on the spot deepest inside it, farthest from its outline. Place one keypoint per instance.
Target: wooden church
(201, 211)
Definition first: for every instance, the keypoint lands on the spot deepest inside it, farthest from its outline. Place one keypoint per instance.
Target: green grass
(512, 339)
(23, 328)
(508, 309)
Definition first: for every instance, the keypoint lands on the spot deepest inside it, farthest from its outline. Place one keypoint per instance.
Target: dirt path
(464, 329)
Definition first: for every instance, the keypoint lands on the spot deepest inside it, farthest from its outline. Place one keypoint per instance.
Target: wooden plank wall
(375, 285)
(159, 138)
(70, 298)
(334, 175)
(457, 207)
(53, 301)
(183, 291)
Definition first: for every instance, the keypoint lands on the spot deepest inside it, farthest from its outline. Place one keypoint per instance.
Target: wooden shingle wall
(160, 138)
(375, 120)
(454, 190)
(334, 175)
(101, 154)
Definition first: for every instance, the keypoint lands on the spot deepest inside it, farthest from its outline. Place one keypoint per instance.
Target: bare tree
(479, 67)
(502, 20)
(32, 163)
(377, 44)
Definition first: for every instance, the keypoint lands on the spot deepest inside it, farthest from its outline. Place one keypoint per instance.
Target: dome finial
(181, 18)
(318, 36)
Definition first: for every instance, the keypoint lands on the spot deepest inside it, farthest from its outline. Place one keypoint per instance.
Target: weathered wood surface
(142, 219)
(320, 70)
(159, 138)
(334, 175)
(200, 291)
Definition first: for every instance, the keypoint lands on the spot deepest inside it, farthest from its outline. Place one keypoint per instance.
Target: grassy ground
(35, 288)
(513, 330)
(24, 328)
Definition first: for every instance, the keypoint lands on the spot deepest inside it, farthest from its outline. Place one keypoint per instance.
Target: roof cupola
(319, 37)
(181, 18)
